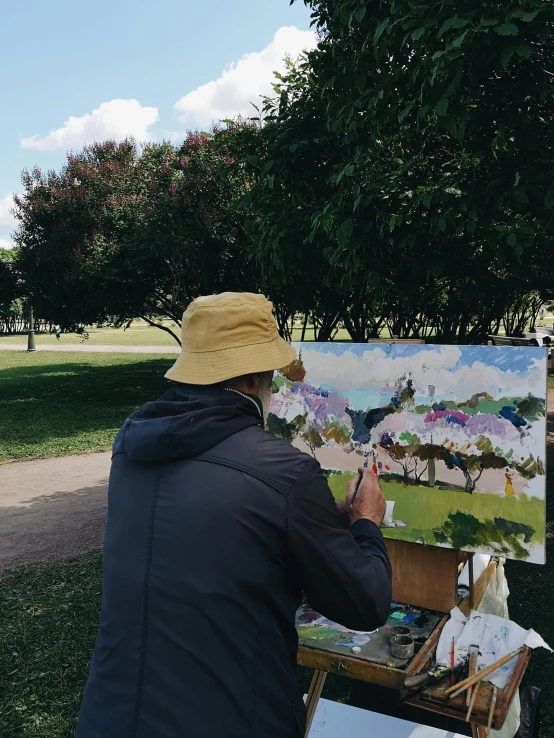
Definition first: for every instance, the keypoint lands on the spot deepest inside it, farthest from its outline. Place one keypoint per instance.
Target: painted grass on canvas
(428, 510)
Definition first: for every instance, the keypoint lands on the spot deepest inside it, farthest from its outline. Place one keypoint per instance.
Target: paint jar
(402, 647)
(399, 630)
(388, 520)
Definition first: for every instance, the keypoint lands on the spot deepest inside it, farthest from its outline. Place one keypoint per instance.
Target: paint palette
(315, 631)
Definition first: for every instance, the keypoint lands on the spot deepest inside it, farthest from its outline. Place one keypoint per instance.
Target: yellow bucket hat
(228, 335)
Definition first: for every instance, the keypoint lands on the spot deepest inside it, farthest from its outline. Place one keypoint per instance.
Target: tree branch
(161, 327)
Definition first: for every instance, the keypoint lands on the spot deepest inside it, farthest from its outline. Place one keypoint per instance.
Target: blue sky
(65, 60)
(512, 359)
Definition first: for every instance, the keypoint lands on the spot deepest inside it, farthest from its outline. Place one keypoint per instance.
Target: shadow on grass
(53, 526)
(49, 621)
(50, 407)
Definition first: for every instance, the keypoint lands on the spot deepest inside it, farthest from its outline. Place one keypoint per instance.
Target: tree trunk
(304, 326)
(431, 473)
(470, 484)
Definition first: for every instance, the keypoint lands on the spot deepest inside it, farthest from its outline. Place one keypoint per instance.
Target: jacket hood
(186, 421)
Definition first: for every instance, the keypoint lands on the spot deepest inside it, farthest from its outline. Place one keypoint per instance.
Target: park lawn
(49, 619)
(139, 334)
(56, 403)
(427, 509)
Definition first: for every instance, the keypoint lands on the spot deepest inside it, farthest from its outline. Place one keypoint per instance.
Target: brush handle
(493, 705)
(472, 702)
(471, 672)
(470, 681)
(353, 500)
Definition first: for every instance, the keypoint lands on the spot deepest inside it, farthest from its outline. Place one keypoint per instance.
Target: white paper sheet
(496, 637)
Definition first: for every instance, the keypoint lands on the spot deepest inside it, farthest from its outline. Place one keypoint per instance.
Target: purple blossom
(321, 403)
(454, 417)
(491, 425)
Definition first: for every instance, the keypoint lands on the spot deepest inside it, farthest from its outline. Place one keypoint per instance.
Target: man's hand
(369, 502)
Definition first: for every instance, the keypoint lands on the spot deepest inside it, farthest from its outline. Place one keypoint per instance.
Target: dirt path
(57, 507)
(52, 507)
(94, 348)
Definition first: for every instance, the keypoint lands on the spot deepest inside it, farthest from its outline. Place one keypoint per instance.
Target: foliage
(409, 158)
(70, 226)
(11, 307)
(464, 529)
(120, 233)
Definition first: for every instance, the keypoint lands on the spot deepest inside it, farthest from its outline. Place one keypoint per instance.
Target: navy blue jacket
(215, 529)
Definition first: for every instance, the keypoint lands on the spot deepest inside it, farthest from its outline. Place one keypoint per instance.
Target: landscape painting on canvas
(457, 435)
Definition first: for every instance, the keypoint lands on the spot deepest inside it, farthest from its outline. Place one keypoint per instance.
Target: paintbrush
(493, 705)
(473, 652)
(353, 500)
(452, 662)
(470, 681)
(472, 701)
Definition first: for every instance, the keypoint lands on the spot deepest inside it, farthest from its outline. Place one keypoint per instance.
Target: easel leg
(314, 693)
(478, 731)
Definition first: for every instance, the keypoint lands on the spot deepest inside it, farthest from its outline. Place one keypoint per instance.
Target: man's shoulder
(274, 459)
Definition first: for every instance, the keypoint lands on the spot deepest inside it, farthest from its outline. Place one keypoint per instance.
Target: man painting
(215, 530)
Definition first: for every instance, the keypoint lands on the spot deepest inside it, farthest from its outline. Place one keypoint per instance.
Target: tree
(475, 83)
(120, 233)
(318, 416)
(11, 308)
(471, 444)
(413, 148)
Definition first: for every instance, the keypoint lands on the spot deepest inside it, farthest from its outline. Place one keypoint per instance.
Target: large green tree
(121, 232)
(70, 227)
(413, 149)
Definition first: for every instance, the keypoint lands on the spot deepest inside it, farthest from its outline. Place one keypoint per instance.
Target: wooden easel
(324, 662)
(423, 577)
(412, 584)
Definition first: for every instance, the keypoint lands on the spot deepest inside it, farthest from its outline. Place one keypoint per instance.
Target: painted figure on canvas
(456, 434)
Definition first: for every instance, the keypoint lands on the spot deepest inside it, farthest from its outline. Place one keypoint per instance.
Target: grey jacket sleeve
(346, 576)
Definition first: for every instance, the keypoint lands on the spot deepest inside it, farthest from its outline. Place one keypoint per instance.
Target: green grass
(54, 404)
(428, 509)
(49, 619)
(137, 335)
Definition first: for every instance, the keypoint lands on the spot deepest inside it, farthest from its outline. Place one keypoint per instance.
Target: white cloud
(244, 81)
(6, 218)
(115, 119)
(6, 244)
(376, 369)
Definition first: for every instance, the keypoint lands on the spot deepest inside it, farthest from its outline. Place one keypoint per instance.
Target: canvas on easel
(457, 435)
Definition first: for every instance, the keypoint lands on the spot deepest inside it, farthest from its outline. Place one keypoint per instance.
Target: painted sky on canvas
(365, 374)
